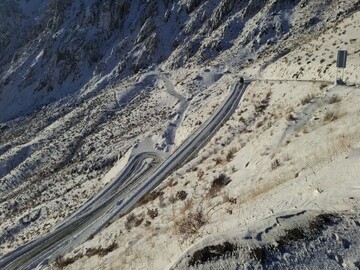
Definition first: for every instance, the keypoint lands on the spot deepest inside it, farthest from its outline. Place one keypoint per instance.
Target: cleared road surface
(142, 173)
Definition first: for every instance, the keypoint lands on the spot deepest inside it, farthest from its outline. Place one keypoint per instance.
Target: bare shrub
(218, 161)
(181, 195)
(172, 182)
(100, 251)
(133, 221)
(307, 98)
(342, 143)
(151, 197)
(226, 198)
(200, 174)
(172, 199)
(147, 223)
(259, 108)
(191, 223)
(153, 213)
(188, 204)
(230, 154)
(218, 183)
(232, 200)
(331, 116)
(242, 119)
(334, 99)
(275, 164)
(61, 262)
(259, 124)
(291, 117)
(305, 130)
(324, 85)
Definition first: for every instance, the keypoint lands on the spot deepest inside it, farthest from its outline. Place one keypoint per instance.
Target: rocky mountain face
(49, 49)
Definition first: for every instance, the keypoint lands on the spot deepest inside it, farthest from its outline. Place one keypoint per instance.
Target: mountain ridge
(68, 47)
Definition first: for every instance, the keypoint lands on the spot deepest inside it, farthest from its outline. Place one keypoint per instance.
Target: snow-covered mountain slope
(292, 157)
(83, 84)
(63, 47)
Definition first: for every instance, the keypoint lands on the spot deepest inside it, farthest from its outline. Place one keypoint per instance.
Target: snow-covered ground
(276, 187)
(291, 154)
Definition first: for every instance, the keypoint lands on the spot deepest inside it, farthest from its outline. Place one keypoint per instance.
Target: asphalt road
(142, 174)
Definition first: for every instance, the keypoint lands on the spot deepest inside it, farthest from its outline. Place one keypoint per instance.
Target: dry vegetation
(133, 221)
(153, 213)
(334, 99)
(62, 262)
(341, 143)
(275, 164)
(230, 154)
(151, 197)
(190, 223)
(331, 116)
(100, 251)
(308, 98)
(218, 160)
(217, 184)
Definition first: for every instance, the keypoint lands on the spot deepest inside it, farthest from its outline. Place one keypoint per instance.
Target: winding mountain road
(142, 174)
